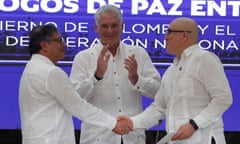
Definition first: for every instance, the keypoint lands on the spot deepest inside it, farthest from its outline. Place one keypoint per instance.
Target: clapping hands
(124, 125)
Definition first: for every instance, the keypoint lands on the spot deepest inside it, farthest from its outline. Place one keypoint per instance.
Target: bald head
(187, 24)
(182, 33)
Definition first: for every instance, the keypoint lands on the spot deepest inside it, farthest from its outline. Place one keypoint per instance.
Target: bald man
(194, 92)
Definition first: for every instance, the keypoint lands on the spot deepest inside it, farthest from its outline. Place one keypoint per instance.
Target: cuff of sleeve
(140, 83)
(200, 121)
(93, 79)
(97, 78)
(112, 122)
(136, 123)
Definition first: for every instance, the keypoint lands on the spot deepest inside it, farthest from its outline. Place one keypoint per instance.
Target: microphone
(158, 130)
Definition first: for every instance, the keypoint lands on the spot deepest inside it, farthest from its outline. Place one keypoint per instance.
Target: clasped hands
(124, 125)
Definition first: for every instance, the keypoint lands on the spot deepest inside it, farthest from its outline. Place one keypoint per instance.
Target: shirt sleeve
(149, 78)
(212, 74)
(152, 114)
(82, 80)
(62, 89)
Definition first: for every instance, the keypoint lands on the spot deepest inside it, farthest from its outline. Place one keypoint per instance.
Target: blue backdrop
(145, 23)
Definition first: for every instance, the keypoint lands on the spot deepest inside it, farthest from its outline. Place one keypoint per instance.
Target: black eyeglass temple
(170, 31)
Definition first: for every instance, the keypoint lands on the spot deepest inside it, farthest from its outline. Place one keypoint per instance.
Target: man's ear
(95, 27)
(122, 25)
(44, 46)
(185, 36)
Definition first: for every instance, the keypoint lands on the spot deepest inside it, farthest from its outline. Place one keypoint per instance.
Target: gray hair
(107, 8)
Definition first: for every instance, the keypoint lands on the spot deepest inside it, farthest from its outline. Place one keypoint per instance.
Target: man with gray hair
(113, 76)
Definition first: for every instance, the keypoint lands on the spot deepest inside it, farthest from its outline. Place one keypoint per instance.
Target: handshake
(124, 125)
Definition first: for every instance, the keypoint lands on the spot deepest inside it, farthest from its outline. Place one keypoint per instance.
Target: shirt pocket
(182, 92)
(185, 87)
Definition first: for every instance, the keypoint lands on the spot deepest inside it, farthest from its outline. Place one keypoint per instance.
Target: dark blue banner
(145, 24)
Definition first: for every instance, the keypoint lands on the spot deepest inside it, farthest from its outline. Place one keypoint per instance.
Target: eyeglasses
(169, 31)
(58, 40)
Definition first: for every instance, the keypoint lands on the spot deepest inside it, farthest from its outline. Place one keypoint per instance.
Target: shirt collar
(186, 53)
(42, 58)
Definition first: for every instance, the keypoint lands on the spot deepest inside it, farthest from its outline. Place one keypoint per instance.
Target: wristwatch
(98, 78)
(193, 123)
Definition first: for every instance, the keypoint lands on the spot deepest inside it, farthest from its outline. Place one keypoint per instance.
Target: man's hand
(124, 125)
(185, 131)
(131, 66)
(102, 61)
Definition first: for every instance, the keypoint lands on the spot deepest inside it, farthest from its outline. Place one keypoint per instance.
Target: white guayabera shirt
(194, 87)
(47, 102)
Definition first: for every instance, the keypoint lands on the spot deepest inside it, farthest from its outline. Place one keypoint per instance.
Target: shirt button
(138, 87)
(119, 110)
(115, 73)
(119, 98)
(116, 85)
(113, 60)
